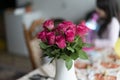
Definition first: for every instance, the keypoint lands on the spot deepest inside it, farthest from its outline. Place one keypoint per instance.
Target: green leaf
(68, 61)
(48, 52)
(65, 57)
(78, 43)
(69, 64)
(77, 39)
(71, 49)
(43, 45)
(56, 51)
(82, 54)
(74, 56)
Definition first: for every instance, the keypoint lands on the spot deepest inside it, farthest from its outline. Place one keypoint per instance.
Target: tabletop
(46, 71)
(102, 65)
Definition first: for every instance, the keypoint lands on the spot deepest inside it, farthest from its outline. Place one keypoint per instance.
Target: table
(45, 70)
(103, 66)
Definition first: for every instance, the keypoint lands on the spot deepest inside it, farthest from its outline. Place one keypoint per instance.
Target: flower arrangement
(64, 41)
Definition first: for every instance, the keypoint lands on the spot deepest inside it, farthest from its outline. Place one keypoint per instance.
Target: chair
(33, 43)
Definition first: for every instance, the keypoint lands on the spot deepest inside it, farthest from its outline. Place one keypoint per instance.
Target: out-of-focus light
(91, 26)
(117, 47)
(92, 23)
(19, 11)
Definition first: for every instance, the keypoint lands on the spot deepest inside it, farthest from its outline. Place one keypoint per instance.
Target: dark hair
(28, 4)
(58, 20)
(111, 8)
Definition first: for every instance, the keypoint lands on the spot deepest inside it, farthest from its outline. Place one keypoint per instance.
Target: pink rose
(81, 29)
(51, 38)
(70, 35)
(49, 24)
(69, 24)
(42, 36)
(65, 26)
(61, 28)
(73, 29)
(60, 41)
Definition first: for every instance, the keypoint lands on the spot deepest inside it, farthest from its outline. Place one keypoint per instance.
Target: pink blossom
(73, 29)
(51, 38)
(60, 41)
(70, 35)
(69, 24)
(49, 24)
(62, 27)
(81, 29)
(42, 36)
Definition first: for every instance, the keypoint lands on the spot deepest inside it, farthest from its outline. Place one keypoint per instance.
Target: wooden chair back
(32, 42)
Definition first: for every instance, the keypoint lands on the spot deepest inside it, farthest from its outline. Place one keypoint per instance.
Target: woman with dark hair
(108, 33)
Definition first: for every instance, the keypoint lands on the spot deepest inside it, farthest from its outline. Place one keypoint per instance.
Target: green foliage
(82, 54)
(68, 54)
(69, 64)
(43, 45)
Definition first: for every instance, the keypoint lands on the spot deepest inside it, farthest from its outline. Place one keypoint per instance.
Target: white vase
(62, 73)
(118, 76)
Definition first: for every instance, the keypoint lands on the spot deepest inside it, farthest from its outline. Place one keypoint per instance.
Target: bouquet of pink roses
(64, 41)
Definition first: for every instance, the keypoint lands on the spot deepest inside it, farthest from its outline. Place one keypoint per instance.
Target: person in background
(108, 32)
(28, 7)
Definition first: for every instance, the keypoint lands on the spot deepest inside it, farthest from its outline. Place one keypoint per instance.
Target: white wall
(22, 2)
(14, 31)
(14, 34)
(68, 9)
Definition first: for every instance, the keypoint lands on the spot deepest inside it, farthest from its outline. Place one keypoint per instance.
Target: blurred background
(17, 21)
